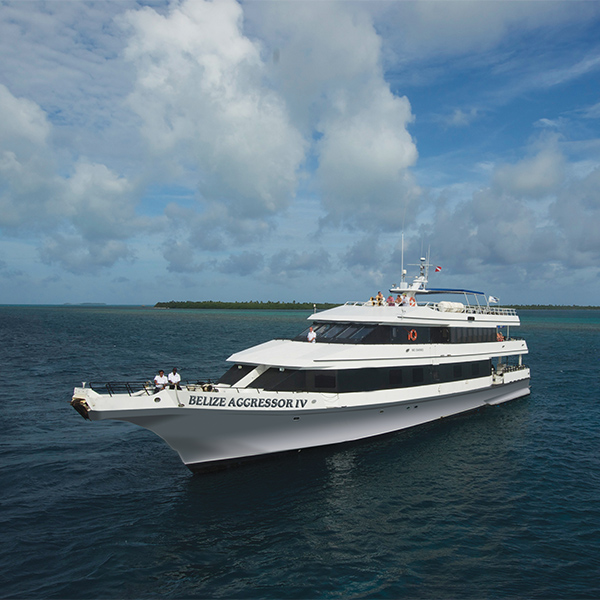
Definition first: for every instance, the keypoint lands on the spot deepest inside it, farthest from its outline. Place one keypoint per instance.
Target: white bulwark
(376, 367)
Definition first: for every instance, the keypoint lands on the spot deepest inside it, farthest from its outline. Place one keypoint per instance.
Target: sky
(280, 150)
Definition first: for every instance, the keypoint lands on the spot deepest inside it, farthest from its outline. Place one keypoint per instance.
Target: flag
(438, 269)
(493, 300)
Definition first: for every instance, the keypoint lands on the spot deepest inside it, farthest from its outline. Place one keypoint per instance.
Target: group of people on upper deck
(401, 300)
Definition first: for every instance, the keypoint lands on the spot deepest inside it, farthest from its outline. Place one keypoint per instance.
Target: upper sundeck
(454, 307)
(440, 314)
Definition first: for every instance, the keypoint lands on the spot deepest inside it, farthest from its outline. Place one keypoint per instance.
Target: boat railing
(132, 388)
(489, 310)
(142, 388)
(465, 308)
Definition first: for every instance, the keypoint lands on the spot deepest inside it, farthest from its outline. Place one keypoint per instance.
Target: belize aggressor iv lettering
(282, 403)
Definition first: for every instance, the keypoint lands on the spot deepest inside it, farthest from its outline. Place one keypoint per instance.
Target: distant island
(270, 305)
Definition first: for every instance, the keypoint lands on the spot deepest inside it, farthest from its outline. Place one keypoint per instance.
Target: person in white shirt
(160, 381)
(312, 336)
(174, 379)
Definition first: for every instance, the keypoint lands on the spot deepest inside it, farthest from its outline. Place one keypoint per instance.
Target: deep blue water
(501, 503)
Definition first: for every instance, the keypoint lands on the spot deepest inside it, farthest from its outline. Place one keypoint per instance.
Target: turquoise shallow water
(502, 503)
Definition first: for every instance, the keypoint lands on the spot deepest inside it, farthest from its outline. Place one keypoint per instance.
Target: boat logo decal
(280, 403)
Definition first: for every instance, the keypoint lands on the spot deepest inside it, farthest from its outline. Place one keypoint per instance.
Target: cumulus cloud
(364, 161)
(432, 28)
(505, 224)
(85, 216)
(461, 118)
(289, 263)
(201, 94)
(337, 90)
(26, 167)
(24, 126)
(243, 263)
(180, 255)
(81, 255)
(534, 177)
(576, 211)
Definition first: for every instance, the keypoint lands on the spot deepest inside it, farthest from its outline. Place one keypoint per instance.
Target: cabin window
(235, 373)
(347, 332)
(355, 333)
(362, 380)
(325, 381)
(330, 333)
(417, 375)
(440, 335)
(395, 378)
(287, 380)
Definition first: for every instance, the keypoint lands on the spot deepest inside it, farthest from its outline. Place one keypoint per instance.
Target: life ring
(412, 335)
(412, 302)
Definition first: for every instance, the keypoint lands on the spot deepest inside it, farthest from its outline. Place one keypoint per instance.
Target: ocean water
(500, 503)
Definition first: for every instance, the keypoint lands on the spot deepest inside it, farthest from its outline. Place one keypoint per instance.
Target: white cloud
(201, 93)
(23, 127)
(533, 177)
(419, 29)
(292, 264)
(243, 263)
(81, 255)
(364, 161)
(86, 215)
(329, 70)
(501, 225)
(26, 166)
(576, 212)
(461, 118)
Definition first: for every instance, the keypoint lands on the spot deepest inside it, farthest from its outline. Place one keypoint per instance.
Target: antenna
(427, 265)
(402, 266)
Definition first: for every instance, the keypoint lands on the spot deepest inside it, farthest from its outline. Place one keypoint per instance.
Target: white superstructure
(374, 369)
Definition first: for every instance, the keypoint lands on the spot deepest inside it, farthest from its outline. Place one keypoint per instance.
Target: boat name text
(281, 403)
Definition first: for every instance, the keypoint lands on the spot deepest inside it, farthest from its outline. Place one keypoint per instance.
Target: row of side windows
(359, 380)
(352, 333)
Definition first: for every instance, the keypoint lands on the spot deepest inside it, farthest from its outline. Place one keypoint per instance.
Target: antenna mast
(402, 272)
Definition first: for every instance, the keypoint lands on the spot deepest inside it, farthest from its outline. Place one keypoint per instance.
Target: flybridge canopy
(447, 291)
(419, 285)
(421, 289)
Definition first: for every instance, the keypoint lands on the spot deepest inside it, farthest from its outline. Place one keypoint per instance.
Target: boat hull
(213, 429)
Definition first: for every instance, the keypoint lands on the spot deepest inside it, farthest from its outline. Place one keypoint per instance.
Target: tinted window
(325, 382)
(395, 378)
(235, 373)
(417, 375)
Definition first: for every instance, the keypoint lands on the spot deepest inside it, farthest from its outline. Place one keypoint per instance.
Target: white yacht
(374, 368)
